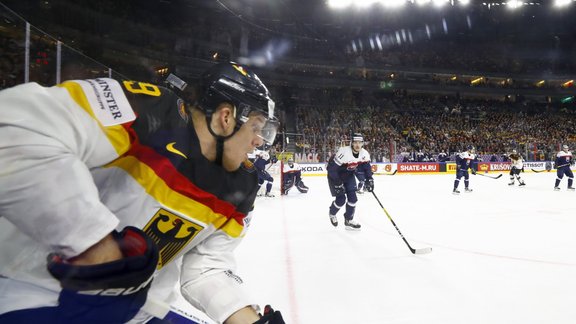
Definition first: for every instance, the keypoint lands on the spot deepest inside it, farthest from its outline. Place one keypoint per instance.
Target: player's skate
(556, 188)
(351, 225)
(455, 192)
(333, 220)
(511, 183)
(467, 190)
(270, 195)
(521, 184)
(571, 188)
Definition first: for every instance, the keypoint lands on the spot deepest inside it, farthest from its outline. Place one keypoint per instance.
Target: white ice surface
(500, 254)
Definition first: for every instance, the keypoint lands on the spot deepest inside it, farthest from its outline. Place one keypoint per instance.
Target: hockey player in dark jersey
(342, 181)
(464, 161)
(292, 176)
(263, 158)
(563, 162)
(128, 191)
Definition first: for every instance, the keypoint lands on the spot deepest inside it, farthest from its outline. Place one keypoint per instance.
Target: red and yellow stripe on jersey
(160, 178)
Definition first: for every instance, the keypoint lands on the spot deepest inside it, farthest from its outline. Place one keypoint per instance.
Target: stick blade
(423, 251)
(498, 177)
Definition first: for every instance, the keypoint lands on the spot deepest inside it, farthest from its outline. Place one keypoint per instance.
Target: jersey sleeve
(55, 136)
(333, 170)
(208, 278)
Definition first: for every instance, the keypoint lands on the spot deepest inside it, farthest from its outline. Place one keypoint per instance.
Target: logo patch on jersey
(182, 110)
(108, 102)
(170, 148)
(171, 233)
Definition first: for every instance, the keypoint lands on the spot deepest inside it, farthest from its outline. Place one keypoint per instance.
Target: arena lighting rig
(510, 4)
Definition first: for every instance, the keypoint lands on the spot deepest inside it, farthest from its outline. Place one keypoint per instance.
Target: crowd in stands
(490, 57)
(11, 72)
(419, 128)
(401, 128)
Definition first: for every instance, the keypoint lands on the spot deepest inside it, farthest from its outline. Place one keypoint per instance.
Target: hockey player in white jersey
(563, 162)
(342, 180)
(262, 159)
(464, 161)
(517, 167)
(107, 184)
(292, 176)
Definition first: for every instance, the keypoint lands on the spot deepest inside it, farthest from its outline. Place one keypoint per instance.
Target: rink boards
(319, 169)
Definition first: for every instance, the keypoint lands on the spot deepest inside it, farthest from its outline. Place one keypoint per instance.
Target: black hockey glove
(473, 171)
(369, 185)
(338, 189)
(111, 292)
(270, 317)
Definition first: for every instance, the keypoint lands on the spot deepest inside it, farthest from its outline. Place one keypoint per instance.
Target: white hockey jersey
(286, 168)
(517, 161)
(83, 158)
(345, 157)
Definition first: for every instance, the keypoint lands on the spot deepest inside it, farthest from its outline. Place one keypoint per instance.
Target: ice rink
(500, 254)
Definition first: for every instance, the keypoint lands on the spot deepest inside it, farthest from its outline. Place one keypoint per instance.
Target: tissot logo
(171, 233)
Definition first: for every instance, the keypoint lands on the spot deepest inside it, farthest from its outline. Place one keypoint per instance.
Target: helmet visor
(264, 127)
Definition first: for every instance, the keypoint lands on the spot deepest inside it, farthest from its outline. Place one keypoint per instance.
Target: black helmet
(233, 83)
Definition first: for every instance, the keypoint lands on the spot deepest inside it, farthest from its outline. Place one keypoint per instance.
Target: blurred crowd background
(420, 84)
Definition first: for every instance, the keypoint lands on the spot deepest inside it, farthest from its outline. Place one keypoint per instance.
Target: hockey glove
(369, 185)
(111, 292)
(338, 189)
(270, 317)
(473, 171)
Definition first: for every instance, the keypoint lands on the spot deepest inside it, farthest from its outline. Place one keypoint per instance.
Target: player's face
(357, 146)
(244, 141)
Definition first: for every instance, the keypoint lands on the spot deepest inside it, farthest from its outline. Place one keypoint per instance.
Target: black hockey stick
(489, 176)
(414, 251)
(393, 173)
(538, 171)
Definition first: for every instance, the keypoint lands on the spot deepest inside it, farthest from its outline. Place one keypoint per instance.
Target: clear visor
(268, 131)
(262, 126)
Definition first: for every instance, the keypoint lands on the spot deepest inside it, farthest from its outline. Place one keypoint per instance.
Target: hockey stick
(170, 314)
(538, 171)
(393, 173)
(489, 176)
(414, 251)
